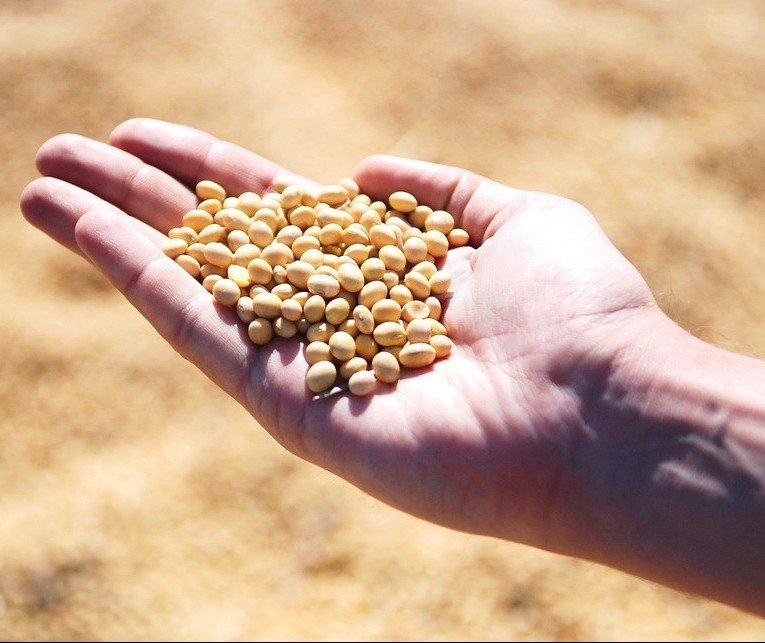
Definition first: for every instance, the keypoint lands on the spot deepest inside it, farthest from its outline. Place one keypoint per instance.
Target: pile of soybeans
(357, 278)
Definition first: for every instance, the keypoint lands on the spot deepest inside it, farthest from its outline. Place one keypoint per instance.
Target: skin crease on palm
(483, 441)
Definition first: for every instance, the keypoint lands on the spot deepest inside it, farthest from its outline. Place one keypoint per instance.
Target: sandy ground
(137, 501)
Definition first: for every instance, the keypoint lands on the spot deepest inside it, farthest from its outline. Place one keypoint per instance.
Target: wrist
(670, 479)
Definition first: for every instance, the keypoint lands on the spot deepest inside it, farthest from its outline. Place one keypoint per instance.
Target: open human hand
(483, 441)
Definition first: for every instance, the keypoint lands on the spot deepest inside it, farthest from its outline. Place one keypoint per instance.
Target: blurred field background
(138, 502)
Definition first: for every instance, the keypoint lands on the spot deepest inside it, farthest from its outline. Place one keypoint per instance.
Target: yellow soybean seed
(320, 331)
(351, 366)
(189, 235)
(437, 243)
(401, 294)
(327, 216)
(359, 252)
(197, 250)
(372, 292)
(417, 355)
(260, 331)
(313, 309)
(209, 281)
(365, 322)
(415, 250)
(382, 235)
(321, 376)
(257, 289)
(301, 296)
(277, 254)
(291, 309)
(350, 186)
(362, 383)
(211, 233)
(412, 233)
(210, 206)
(418, 331)
(260, 271)
(323, 285)
(337, 311)
(402, 201)
(279, 274)
(304, 243)
(302, 216)
(393, 258)
(366, 346)
(427, 268)
(434, 306)
(440, 220)
(174, 247)
(391, 279)
(244, 309)
(458, 238)
(436, 327)
(390, 333)
(236, 239)
(370, 218)
(260, 233)
(386, 310)
(332, 195)
(386, 367)
(379, 207)
(230, 202)
(284, 291)
(373, 269)
(298, 273)
(442, 345)
(189, 264)
(355, 233)
(249, 203)
(415, 309)
(440, 282)
(292, 195)
(313, 256)
(342, 346)
(207, 269)
(232, 219)
(348, 326)
(267, 305)
(318, 352)
(419, 215)
(267, 216)
(210, 190)
(331, 234)
(418, 284)
(239, 275)
(284, 327)
(226, 292)
(218, 254)
(288, 235)
(246, 253)
(350, 277)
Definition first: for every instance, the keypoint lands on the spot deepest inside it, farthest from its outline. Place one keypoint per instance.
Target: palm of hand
(478, 441)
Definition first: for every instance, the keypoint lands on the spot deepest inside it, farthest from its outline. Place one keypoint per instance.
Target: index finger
(479, 205)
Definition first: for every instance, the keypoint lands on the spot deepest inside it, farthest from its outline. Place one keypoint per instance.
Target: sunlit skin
(541, 426)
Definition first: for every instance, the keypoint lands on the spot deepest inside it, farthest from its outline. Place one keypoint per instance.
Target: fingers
(191, 155)
(118, 177)
(179, 307)
(55, 206)
(478, 204)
